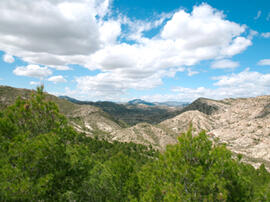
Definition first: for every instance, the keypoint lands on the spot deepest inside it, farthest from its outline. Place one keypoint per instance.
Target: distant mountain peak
(139, 101)
(70, 99)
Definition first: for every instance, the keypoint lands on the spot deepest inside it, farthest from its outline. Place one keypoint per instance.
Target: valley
(135, 111)
(242, 124)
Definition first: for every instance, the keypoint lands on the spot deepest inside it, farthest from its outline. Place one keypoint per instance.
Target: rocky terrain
(243, 124)
(135, 111)
(84, 118)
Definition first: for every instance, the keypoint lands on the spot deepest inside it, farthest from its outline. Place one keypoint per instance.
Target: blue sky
(119, 50)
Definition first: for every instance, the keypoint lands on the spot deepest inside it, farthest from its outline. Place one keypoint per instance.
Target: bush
(197, 170)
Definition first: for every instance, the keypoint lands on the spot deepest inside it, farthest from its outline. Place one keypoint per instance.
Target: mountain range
(242, 124)
(135, 111)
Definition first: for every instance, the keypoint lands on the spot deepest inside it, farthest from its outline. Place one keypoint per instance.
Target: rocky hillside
(242, 124)
(85, 118)
(94, 121)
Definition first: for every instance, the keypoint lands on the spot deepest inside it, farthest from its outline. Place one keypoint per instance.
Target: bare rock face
(245, 128)
(242, 124)
(92, 121)
(182, 122)
(145, 133)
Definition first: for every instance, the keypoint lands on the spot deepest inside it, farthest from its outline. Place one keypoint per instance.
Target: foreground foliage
(196, 170)
(43, 158)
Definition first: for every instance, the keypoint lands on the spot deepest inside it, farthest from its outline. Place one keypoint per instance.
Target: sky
(118, 50)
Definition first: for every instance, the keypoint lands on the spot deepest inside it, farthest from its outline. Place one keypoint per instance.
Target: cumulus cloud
(184, 40)
(67, 31)
(266, 35)
(57, 79)
(136, 28)
(111, 85)
(243, 84)
(223, 64)
(207, 31)
(8, 58)
(109, 31)
(265, 62)
(62, 32)
(32, 71)
(49, 32)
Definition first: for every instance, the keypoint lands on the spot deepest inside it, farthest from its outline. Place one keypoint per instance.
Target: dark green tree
(43, 159)
(39, 153)
(197, 170)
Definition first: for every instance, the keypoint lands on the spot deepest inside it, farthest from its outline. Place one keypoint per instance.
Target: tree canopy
(42, 158)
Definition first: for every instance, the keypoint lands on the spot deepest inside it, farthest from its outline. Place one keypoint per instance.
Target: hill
(89, 119)
(44, 159)
(133, 112)
(243, 124)
(139, 101)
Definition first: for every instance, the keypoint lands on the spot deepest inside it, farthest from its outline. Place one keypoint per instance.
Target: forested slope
(43, 159)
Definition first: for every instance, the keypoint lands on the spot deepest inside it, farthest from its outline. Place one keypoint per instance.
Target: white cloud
(206, 31)
(138, 27)
(113, 85)
(266, 35)
(56, 33)
(184, 40)
(109, 31)
(66, 32)
(265, 62)
(8, 58)
(239, 45)
(50, 32)
(223, 64)
(102, 7)
(243, 84)
(57, 79)
(32, 71)
(258, 15)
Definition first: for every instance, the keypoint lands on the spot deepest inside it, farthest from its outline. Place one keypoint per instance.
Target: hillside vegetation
(90, 119)
(133, 112)
(42, 158)
(243, 124)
